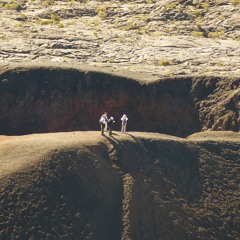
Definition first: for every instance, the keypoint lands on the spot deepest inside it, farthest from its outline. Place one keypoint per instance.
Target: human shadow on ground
(111, 138)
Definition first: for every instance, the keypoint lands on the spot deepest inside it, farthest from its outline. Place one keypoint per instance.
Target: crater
(55, 99)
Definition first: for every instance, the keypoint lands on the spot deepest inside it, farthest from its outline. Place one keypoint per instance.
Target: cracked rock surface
(163, 38)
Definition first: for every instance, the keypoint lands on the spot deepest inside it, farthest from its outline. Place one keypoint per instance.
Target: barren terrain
(164, 38)
(81, 185)
(173, 67)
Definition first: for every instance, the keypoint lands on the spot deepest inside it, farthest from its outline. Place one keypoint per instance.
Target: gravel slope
(81, 185)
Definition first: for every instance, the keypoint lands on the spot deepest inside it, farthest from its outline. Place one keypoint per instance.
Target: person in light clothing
(124, 120)
(103, 122)
(239, 124)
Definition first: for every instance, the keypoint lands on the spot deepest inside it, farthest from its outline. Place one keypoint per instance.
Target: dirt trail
(80, 185)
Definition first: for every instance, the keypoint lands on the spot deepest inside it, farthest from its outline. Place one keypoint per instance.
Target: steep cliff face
(66, 99)
(218, 102)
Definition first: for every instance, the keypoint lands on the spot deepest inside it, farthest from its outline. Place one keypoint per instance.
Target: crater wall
(44, 99)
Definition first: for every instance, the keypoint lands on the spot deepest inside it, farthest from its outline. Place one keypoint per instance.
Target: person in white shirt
(124, 120)
(103, 122)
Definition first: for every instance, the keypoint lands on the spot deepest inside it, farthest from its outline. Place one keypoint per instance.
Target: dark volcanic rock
(132, 186)
(42, 99)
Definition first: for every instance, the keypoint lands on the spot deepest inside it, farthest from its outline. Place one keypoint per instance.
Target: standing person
(110, 125)
(106, 122)
(124, 120)
(239, 124)
(103, 122)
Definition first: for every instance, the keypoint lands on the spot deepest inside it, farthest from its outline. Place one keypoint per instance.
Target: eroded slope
(130, 186)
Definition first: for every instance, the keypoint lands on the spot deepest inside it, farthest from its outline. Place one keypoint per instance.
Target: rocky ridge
(81, 185)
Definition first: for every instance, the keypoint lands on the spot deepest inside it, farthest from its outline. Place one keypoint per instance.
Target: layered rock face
(166, 38)
(51, 99)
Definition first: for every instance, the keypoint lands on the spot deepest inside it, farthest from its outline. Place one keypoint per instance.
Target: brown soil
(80, 185)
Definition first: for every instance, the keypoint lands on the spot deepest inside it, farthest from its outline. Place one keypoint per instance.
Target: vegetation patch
(12, 6)
(197, 34)
(165, 62)
(215, 34)
(235, 2)
(53, 19)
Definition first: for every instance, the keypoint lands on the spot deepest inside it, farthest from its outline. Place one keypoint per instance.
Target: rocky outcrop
(51, 99)
(153, 40)
(218, 103)
(167, 38)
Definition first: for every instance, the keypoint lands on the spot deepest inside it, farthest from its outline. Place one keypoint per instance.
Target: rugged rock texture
(60, 99)
(165, 38)
(133, 186)
(172, 66)
(150, 39)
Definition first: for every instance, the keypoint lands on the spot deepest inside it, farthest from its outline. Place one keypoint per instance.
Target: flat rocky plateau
(163, 38)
